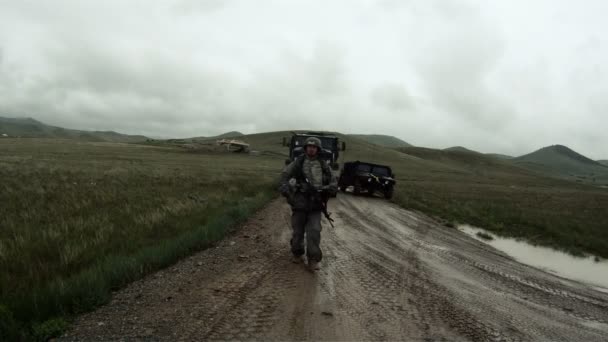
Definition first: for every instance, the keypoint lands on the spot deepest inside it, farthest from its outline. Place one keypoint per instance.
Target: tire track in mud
(387, 281)
(453, 309)
(254, 312)
(522, 283)
(382, 303)
(351, 298)
(428, 294)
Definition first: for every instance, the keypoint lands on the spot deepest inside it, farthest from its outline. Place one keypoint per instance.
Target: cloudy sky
(494, 76)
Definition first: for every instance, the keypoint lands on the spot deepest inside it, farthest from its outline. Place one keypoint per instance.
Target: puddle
(564, 265)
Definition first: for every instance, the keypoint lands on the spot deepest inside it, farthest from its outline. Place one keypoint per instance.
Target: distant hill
(232, 134)
(381, 140)
(603, 162)
(464, 161)
(30, 128)
(459, 149)
(560, 161)
(499, 156)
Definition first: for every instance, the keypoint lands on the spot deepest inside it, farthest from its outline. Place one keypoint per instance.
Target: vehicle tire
(357, 190)
(388, 194)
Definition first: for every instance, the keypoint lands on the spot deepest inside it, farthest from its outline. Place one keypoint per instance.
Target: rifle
(322, 193)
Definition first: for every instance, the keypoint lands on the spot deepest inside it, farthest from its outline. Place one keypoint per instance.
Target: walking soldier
(314, 183)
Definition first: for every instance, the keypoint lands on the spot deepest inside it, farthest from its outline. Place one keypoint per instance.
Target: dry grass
(76, 215)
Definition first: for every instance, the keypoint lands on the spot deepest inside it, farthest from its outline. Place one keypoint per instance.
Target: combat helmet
(313, 141)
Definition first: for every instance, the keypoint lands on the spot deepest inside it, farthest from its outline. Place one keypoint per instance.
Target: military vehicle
(367, 178)
(329, 153)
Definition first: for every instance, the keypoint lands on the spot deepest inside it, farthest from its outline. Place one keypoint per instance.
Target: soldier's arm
(287, 174)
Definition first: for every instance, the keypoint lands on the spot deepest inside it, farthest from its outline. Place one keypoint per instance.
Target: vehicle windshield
(381, 171)
(364, 168)
(327, 142)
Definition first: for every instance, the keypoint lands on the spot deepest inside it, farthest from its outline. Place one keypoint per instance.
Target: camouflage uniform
(306, 203)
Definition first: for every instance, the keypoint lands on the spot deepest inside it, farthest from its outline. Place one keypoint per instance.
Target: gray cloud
(195, 6)
(393, 97)
(433, 73)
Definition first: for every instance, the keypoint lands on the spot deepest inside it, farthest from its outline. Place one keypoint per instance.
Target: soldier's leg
(298, 226)
(313, 237)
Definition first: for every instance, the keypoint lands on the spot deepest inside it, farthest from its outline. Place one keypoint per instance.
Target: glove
(329, 189)
(284, 189)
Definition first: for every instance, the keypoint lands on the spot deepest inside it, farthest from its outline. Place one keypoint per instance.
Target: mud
(588, 269)
(387, 274)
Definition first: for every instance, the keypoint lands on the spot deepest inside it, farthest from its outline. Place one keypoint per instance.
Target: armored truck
(329, 153)
(367, 178)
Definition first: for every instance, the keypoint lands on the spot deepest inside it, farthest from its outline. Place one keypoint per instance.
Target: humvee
(329, 153)
(367, 178)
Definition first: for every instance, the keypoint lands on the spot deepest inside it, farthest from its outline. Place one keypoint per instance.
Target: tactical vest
(299, 171)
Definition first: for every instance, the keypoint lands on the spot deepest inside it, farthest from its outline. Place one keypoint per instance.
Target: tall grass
(81, 219)
(567, 218)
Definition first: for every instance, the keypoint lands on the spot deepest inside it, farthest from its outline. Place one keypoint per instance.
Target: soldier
(314, 181)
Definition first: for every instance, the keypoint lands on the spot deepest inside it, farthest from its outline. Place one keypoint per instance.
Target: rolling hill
(603, 162)
(560, 161)
(30, 128)
(231, 134)
(499, 156)
(381, 140)
(460, 149)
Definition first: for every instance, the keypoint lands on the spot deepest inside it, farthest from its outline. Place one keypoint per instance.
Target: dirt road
(387, 274)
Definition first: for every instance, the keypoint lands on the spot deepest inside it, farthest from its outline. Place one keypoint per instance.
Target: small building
(4, 135)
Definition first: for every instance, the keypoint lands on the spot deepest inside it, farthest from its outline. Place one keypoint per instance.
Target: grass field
(492, 194)
(80, 219)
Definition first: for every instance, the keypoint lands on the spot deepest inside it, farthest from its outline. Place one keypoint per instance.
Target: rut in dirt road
(387, 274)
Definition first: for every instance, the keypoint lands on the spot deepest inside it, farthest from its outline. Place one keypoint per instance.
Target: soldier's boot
(313, 266)
(297, 259)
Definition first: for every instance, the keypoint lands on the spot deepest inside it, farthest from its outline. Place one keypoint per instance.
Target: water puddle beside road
(586, 270)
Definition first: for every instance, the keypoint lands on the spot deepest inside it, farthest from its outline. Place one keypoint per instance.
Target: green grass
(81, 219)
(505, 199)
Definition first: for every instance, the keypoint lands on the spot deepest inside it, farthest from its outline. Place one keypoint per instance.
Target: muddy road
(387, 274)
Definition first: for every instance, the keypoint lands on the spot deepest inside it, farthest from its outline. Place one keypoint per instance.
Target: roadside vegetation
(509, 201)
(82, 219)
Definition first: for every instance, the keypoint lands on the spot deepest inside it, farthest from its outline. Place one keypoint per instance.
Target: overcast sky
(494, 76)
